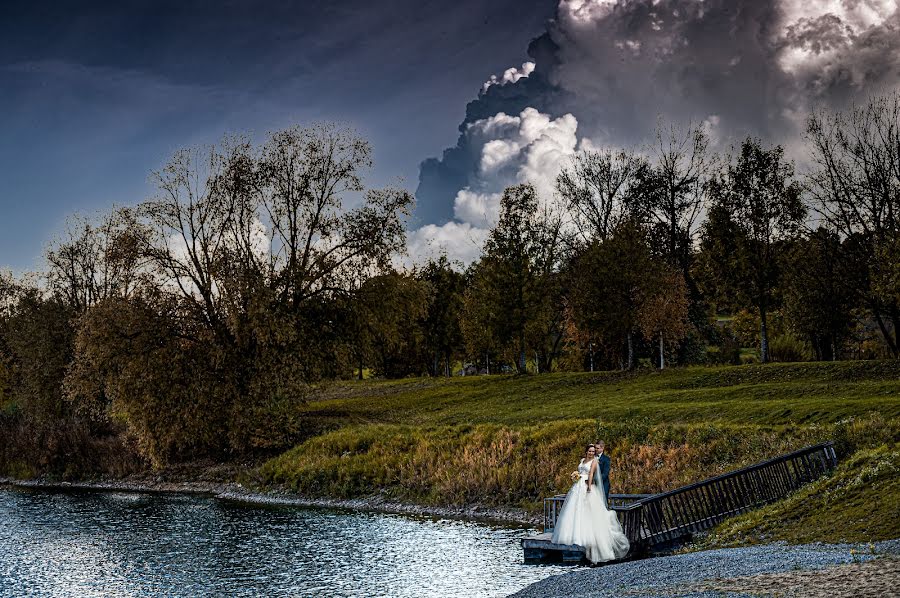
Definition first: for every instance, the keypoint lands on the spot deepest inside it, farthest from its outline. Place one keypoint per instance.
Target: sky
(459, 98)
(94, 96)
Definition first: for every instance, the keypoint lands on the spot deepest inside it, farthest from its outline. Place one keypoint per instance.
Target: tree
(390, 309)
(441, 327)
(94, 261)
(38, 335)
(249, 261)
(765, 209)
(597, 190)
(664, 309)
(820, 288)
(670, 189)
(606, 287)
(514, 291)
(855, 188)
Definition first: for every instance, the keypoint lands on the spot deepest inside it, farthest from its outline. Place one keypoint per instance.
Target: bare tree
(95, 260)
(670, 190)
(596, 189)
(855, 186)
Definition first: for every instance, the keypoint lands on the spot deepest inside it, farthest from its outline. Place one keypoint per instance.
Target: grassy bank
(510, 441)
(860, 502)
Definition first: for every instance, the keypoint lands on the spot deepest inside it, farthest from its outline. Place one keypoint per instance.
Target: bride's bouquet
(575, 475)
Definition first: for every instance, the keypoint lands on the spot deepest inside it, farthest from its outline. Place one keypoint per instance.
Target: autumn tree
(663, 312)
(443, 338)
(606, 287)
(390, 310)
(597, 188)
(247, 252)
(669, 192)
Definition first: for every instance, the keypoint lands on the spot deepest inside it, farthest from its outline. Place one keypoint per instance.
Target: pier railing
(649, 520)
(553, 505)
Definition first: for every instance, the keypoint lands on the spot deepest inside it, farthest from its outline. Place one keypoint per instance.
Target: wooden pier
(657, 522)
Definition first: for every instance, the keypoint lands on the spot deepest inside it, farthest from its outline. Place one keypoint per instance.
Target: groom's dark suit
(603, 470)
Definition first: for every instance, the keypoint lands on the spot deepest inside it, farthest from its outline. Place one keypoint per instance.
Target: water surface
(123, 544)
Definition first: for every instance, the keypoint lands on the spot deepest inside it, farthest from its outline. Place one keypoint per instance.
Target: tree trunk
(763, 337)
(487, 363)
(662, 358)
(630, 362)
(591, 349)
(360, 367)
(885, 332)
(895, 320)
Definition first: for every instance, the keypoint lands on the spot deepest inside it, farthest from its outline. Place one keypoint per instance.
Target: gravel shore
(769, 570)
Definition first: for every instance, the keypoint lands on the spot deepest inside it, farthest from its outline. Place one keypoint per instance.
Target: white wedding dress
(585, 521)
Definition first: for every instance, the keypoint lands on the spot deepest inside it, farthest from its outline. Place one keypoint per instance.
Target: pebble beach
(808, 570)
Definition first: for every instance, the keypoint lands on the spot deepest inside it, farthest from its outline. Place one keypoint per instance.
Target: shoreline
(237, 493)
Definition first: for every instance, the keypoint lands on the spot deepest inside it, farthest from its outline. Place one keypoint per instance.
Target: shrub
(788, 347)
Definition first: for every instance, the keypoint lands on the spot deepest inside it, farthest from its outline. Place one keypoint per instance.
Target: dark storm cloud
(739, 66)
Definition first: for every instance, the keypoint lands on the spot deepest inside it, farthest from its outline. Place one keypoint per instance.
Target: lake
(126, 544)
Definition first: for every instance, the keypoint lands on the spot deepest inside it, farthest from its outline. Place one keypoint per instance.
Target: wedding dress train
(585, 521)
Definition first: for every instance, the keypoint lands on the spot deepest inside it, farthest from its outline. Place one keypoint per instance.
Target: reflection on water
(112, 544)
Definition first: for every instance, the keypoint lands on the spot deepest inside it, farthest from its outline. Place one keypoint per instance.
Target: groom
(602, 468)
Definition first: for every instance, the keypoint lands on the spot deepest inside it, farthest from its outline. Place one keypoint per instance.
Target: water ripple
(120, 544)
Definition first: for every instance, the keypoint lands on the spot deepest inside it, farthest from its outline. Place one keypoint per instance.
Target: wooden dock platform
(540, 549)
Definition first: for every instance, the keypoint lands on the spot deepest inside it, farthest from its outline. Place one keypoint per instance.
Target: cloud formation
(531, 148)
(613, 68)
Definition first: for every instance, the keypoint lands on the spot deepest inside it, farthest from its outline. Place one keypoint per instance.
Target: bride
(584, 519)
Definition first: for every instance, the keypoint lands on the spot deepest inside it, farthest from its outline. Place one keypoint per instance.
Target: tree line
(190, 323)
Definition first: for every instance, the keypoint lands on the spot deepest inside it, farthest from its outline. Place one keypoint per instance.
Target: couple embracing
(585, 519)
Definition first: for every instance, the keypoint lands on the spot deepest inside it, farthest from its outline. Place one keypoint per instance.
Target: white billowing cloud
(510, 75)
(459, 241)
(529, 148)
(478, 209)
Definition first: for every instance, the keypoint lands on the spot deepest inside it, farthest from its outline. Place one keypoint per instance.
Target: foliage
(443, 338)
(787, 347)
(745, 326)
(389, 309)
(607, 282)
(820, 287)
(755, 192)
(664, 310)
(248, 260)
(512, 302)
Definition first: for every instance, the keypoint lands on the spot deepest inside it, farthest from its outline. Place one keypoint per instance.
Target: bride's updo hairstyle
(588, 447)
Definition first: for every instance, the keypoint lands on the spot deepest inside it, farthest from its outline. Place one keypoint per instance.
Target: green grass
(773, 394)
(511, 440)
